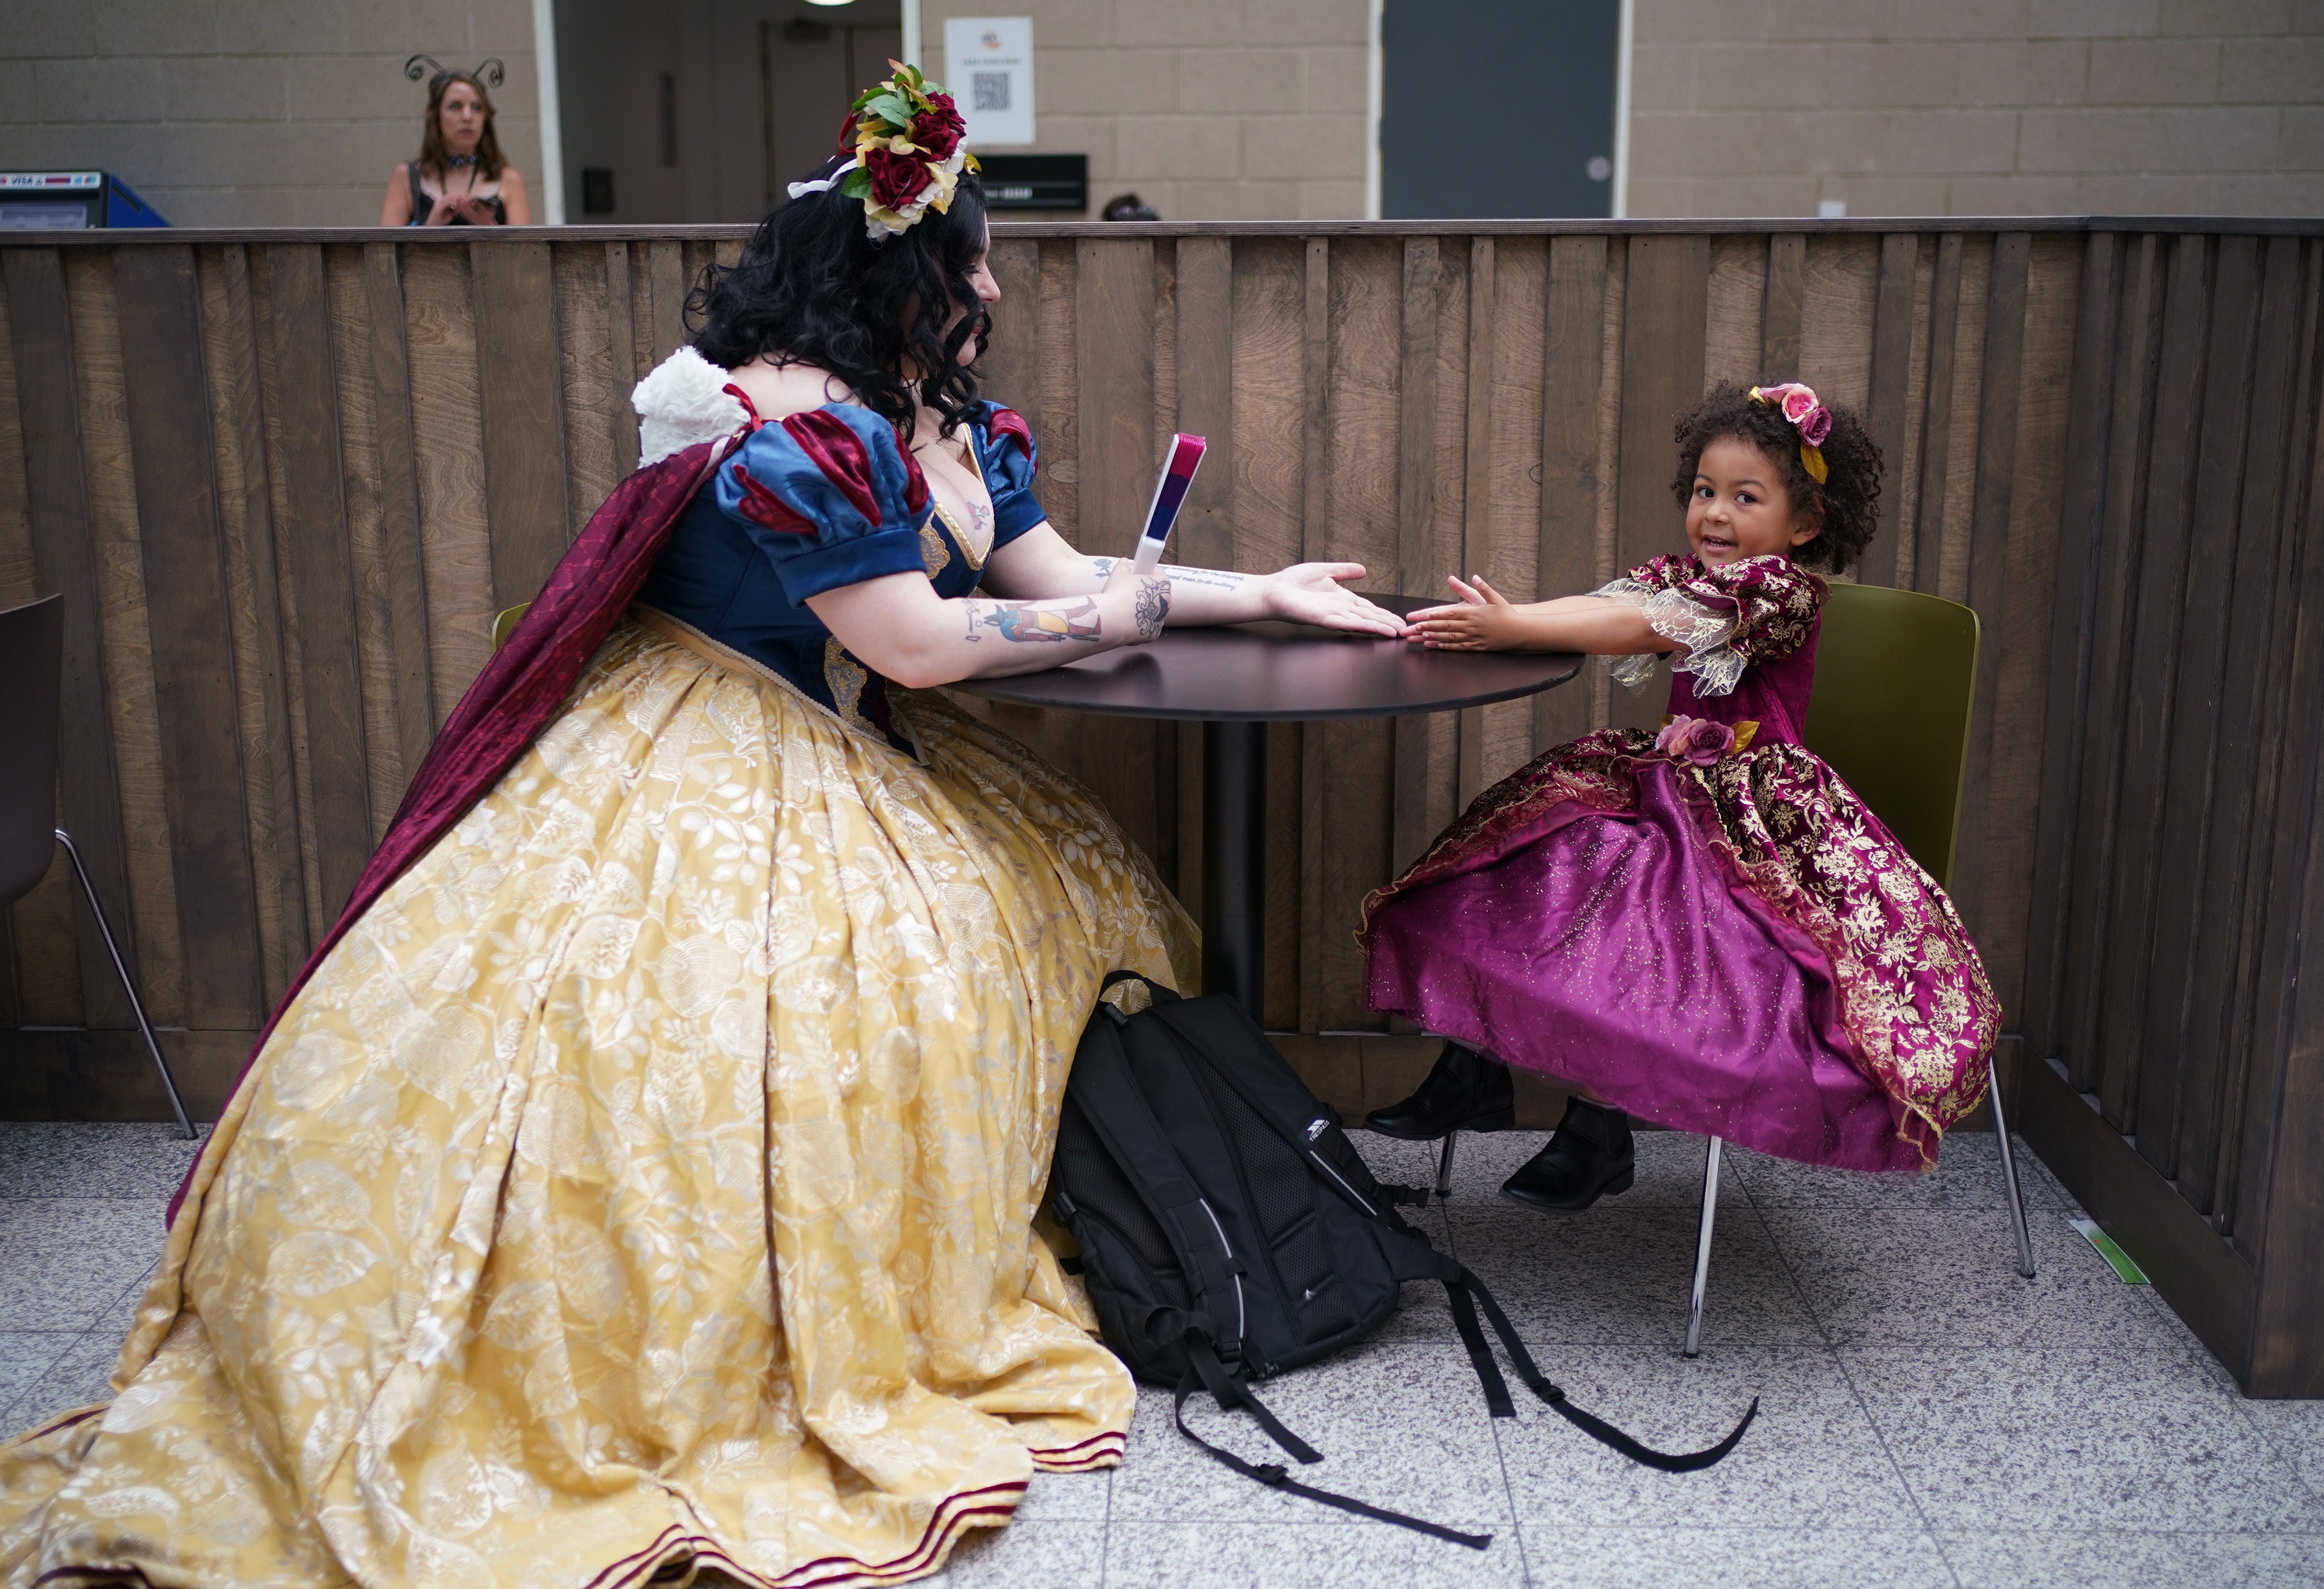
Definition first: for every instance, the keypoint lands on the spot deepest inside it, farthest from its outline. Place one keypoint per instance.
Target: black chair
(31, 661)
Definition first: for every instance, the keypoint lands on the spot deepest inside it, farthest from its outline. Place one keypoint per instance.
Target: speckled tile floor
(1927, 1418)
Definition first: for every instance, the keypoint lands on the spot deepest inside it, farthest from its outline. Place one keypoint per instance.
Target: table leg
(1234, 861)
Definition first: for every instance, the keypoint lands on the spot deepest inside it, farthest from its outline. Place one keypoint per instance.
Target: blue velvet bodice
(821, 500)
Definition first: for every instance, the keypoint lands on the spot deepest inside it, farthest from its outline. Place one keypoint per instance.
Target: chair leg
(136, 1005)
(2009, 1180)
(1444, 1167)
(1703, 1248)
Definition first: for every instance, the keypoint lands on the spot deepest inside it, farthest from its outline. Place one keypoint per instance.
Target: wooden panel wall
(2175, 840)
(285, 480)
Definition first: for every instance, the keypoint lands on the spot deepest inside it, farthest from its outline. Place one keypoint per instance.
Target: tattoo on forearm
(1179, 574)
(1216, 578)
(1027, 624)
(1153, 607)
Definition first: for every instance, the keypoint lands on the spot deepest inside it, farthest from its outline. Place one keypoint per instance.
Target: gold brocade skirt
(649, 1176)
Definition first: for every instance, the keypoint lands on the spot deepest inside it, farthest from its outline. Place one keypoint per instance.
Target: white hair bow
(823, 184)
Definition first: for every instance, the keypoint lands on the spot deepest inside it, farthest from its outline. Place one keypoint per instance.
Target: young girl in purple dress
(1704, 927)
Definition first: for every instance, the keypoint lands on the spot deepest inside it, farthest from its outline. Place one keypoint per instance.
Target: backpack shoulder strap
(1108, 1095)
(1291, 1132)
(1154, 990)
(1468, 1294)
(1207, 1374)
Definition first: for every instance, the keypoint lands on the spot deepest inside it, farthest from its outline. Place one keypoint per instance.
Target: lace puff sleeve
(1005, 452)
(829, 496)
(1723, 620)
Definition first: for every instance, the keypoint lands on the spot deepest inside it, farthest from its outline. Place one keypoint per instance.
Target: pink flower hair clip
(1800, 405)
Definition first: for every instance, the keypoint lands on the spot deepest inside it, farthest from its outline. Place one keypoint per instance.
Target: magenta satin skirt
(1625, 954)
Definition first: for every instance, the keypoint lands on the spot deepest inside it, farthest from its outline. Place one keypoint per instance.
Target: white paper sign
(989, 71)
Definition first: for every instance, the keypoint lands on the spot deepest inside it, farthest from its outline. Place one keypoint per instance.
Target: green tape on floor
(2130, 1273)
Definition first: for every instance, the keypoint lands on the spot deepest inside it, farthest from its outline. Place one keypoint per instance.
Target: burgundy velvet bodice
(1773, 693)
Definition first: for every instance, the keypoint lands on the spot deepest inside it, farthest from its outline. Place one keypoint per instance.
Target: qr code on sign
(989, 91)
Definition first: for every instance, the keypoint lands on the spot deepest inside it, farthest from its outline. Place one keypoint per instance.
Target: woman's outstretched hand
(1313, 592)
(1482, 620)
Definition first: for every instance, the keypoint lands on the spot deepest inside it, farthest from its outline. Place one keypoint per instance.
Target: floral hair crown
(906, 157)
(1800, 405)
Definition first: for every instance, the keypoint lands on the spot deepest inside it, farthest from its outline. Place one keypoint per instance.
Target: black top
(421, 204)
(1291, 672)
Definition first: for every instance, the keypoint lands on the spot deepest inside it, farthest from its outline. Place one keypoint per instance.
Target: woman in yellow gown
(644, 1179)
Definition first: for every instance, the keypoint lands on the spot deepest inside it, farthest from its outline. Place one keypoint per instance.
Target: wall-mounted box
(1036, 181)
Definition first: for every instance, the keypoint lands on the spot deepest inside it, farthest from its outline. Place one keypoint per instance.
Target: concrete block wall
(1209, 110)
(1931, 107)
(294, 112)
(250, 113)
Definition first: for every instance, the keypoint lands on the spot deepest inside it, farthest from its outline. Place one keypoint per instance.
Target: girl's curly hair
(1847, 505)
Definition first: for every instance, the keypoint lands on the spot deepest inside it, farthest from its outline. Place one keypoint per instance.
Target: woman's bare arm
(1039, 564)
(513, 197)
(899, 628)
(395, 209)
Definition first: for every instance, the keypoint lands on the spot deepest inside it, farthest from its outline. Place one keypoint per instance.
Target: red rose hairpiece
(1800, 405)
(908, 156)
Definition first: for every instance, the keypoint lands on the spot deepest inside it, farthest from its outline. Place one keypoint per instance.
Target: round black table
(1236, 679)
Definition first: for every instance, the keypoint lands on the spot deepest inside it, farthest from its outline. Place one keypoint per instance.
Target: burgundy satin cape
(519, 693)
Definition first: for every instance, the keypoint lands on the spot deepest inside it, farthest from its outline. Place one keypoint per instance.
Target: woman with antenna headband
(461, 179)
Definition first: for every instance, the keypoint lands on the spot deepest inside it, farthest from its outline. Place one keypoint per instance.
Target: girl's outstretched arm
(1484, 619)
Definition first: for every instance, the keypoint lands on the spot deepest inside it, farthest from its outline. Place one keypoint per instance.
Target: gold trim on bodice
(971, 547)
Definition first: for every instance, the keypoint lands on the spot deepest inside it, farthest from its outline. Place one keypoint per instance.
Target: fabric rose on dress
(1695, 739)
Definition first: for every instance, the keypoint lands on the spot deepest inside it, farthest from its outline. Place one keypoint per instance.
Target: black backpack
(1229, 1231)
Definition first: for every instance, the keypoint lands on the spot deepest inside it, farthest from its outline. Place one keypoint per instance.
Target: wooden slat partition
(2176, 835)
(284, 479)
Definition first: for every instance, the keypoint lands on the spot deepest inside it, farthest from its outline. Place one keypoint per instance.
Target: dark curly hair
(1845, 505)
(812, 288)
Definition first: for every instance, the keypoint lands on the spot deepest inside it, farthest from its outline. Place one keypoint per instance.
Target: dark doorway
(812, 71)
(1498, 109)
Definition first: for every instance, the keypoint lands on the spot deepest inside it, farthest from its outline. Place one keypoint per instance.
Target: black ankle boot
(1466, 1091)
(1590, 1157)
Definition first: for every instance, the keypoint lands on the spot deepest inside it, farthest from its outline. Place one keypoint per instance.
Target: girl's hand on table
(1313, 592)
(1482, 620)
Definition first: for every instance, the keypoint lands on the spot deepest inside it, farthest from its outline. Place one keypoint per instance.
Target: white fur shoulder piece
(684, 401)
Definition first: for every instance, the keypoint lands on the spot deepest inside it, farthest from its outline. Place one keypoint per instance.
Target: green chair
(1894, 689)
(505, 621)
